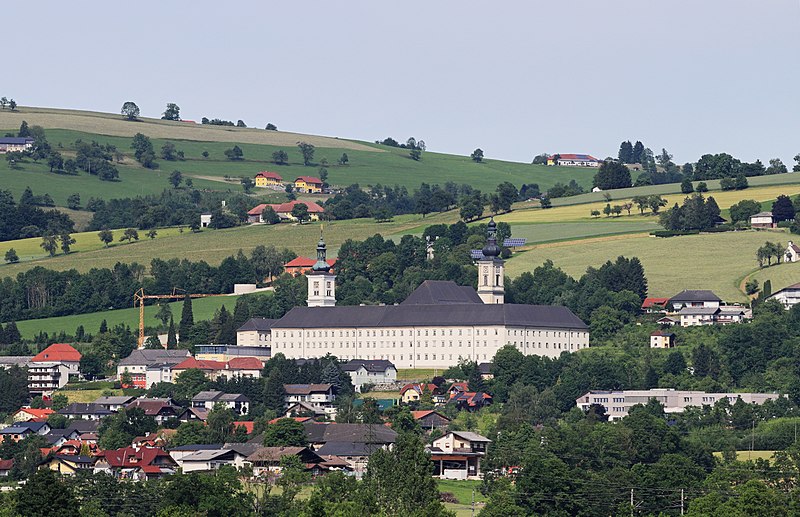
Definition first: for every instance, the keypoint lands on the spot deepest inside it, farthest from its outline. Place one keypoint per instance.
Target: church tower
(490, 269)
(321, 282)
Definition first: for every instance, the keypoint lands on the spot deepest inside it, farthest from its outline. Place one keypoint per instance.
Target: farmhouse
(11, 144)
(617, 403)
(284, 211)
(205, 219)
(267, 179)
(695, 298)
(308, 185)
(438, 325)
(788, 296)
(574, 160)
(763, 220)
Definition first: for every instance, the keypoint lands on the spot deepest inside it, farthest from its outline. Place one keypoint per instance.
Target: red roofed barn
(284, 211)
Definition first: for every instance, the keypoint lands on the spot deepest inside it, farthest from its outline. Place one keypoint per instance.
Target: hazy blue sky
(514, 78)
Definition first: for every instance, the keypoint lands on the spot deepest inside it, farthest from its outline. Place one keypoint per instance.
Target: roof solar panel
(476, 254)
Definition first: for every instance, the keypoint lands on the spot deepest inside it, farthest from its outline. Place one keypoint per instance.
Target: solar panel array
(476, 254)
(513, 242)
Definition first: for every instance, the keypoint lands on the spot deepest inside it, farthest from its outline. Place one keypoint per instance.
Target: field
(369, 164)
(751, 455)
(215, 245)
(463, 491)
(780, 275)
(711, 261)
(84, 396)
(203, 309)
(417, 374)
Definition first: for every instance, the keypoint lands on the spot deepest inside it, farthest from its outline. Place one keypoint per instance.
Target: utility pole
(682, 501)
(752, 440)
(632, 507)
(473, 502)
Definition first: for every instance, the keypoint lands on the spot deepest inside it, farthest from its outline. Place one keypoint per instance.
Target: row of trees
(25, 219)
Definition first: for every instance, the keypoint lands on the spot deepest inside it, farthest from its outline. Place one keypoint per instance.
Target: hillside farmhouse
(284, 211)
(574, 160)
(763, 220)
(308, 185)
(11, 144)
(268, 179)
(439, 324)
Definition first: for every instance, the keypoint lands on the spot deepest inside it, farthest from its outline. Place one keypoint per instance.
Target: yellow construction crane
(139, 297)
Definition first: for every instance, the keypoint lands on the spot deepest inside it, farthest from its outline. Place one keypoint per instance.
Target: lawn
(215, 245)
(31, 249)
(203, 309)
(86, 395)
(751, 455)
(780, 275)
(463, 491)
(710, 261)
(417, 374)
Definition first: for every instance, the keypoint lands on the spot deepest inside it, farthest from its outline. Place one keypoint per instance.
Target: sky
(515, 78)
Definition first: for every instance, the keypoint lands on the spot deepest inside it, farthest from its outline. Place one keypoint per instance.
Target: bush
(727, 227)
(785, 224)
(448, 497)
(673, 233)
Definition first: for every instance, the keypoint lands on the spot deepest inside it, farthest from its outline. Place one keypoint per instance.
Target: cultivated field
(716, 261)
(202, 308)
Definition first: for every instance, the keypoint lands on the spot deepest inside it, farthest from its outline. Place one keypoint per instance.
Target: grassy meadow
(717, 261)
(203, 309)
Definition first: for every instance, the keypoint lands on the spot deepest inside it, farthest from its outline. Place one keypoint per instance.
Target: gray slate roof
(15, 140)
(351, 433)
(690, 311)
(371, 365)
(149, 357)
(472, 437)
(256, 324)
(82, 408)
(464, 315)
(695, 295)
(436, 292)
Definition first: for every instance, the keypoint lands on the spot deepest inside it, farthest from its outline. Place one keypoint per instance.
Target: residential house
(21, 430)
(161, 409)
(11, 144)
(430, 419)
(696, 298)
(574, 160)
(234, 401)
(308, 185)
(139, 361)
(69, 465)
(237, 367)
(233, 454)
(205, 219)
(458, 454)
(662, 339)
(302, 410)
(268, 179)
(284, 211)
(726, 314)
(302, 265)
(318, 396)
(353, 443)
(370, 371)
(52, 368)
(485, 369)
(5, 467)
(9, 361)
(267, 460)
(28, 414)
(114, 403)
(617, 403)
(85, 411)
(792, 252)
(135, 464)
(413, 392)
(669, 320)
(182, 451)
(763, 220)
(255, 332)
(655, 305)
(788, 296)
(58, 437)
(470, 401)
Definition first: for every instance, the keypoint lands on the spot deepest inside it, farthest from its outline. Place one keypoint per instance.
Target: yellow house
(308, 184)
(413, 392)
(268, 179)
(69, 465)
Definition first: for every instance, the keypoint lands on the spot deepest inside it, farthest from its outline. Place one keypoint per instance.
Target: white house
(138, 366)
(255, 332)
(205, 220)
(762, 220)
(233, 401)
(457, 455)
(788, 296)
(370, 371)
(695, 298)
(317, 396)
(617, 403)
(574, 160)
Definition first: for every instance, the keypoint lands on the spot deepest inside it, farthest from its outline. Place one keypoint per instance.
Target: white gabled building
(788, 296)
(617, 403)
(370, 371)
(439, 324)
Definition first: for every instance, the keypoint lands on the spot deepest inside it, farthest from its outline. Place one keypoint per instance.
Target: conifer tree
(172, 339)
(187, 318)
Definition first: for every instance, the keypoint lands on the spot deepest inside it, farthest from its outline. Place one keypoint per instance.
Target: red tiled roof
(419, 388)
(57, 352)
(421, 414)
(285, 208)
(268, 174)
(309, 179)
(191, 362)
(300, 419)
(247, 425)
(130, 457)
(306, 262)
(245, 363)
(6, 464)
(36, 413)
(256, 210)
(651, 302)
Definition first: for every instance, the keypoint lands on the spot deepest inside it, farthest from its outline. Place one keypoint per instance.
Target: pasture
(717, 261)
(202, 308)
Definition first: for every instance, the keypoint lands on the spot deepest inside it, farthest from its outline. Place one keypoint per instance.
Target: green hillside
(369, 164)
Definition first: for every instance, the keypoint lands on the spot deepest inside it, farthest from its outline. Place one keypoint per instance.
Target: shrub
(673, 233)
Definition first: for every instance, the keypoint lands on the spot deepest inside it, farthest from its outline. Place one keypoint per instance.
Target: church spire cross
(322, 264)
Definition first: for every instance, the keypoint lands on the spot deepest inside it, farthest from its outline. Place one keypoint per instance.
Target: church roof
(457, 314)
(441, 292)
